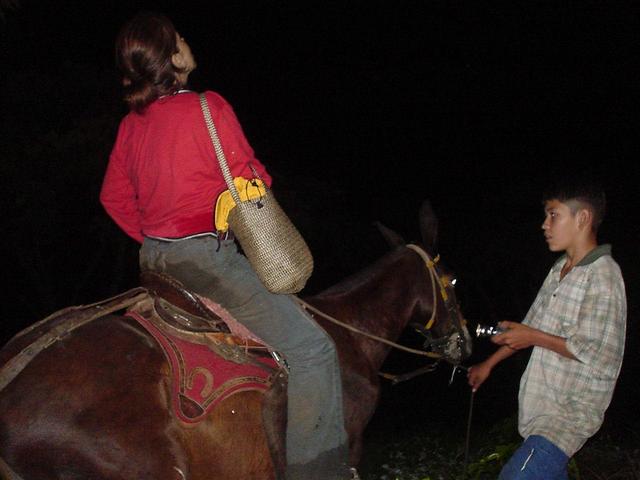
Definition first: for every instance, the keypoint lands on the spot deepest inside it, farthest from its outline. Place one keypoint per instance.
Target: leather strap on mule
(77, 316)
(6, 473)
(83, 314)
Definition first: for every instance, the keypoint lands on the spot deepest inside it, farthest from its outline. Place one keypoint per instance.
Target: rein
(313, 309)
(430, 264)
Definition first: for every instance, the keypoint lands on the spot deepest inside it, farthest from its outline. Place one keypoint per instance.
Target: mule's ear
(428, 226)
(392, 238)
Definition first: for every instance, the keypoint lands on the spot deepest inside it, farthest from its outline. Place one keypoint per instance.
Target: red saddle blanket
(201, 378)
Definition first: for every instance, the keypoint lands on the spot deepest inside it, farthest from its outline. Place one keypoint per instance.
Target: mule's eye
(448, 280)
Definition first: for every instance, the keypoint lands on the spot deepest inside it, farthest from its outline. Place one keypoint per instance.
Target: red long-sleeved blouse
(163, 176)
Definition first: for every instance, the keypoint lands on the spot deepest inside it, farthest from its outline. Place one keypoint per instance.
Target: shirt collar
(596, 253)
(590, 257)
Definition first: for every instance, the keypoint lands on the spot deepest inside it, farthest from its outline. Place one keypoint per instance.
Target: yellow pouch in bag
(247, 190)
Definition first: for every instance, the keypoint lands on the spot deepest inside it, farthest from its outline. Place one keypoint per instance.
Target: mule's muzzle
(454, 347)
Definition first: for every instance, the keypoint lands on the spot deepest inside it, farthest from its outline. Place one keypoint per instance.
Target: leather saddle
(209, 359)
(182, 312)
(180, 307)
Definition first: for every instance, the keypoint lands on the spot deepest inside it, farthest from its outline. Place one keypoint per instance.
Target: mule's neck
(381, 299)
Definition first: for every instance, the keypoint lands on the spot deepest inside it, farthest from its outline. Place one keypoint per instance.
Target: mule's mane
(367, 276)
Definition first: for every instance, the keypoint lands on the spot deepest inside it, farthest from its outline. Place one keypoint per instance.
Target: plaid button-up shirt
(563, 399)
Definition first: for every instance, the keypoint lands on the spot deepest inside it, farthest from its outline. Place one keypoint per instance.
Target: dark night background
(361, 110)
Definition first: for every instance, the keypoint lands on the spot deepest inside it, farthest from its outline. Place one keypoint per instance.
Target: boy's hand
(516, 335)
(477, 374)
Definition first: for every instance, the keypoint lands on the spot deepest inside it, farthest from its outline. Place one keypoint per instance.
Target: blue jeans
(536, 459)
(316, 438)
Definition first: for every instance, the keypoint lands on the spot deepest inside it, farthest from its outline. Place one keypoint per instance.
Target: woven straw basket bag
(272, 244)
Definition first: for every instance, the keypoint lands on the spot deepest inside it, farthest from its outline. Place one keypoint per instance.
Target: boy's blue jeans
(316, 438)
(536, 459)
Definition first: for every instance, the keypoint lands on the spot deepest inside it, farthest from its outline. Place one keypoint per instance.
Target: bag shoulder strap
(217, 146)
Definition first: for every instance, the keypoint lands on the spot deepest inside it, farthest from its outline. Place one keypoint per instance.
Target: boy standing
(576, 327)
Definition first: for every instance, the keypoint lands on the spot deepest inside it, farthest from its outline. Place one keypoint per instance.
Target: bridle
(435, 278)
(442, 283)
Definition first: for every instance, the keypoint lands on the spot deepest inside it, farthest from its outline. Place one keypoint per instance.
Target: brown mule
(95, 403)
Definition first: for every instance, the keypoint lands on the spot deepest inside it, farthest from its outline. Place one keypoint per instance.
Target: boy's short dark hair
(578, 194)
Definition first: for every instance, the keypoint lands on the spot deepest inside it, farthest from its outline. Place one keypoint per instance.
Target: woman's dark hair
(144, 48)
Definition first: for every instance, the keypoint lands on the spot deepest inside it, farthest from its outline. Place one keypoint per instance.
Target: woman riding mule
(85, 393)
(160, 187)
